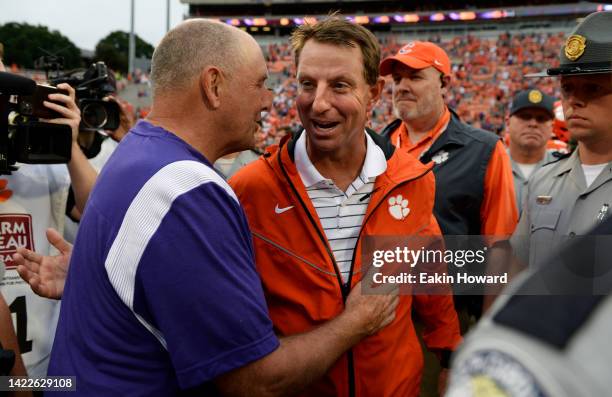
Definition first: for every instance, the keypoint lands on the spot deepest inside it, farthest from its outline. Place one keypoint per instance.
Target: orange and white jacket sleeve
(437, 310)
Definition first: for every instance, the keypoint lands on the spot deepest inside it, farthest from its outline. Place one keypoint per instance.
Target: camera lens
(26, 108)
(94, 115)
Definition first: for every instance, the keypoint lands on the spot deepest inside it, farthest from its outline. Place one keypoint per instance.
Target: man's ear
(375, 92)
(445, 82)
(211, 85)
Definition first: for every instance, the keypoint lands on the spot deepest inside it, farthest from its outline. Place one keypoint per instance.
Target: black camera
(91, 87)
(24, 137)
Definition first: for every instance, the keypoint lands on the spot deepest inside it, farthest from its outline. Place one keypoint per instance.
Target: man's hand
(127, 119)
(69, 110)
(45, 274)
(301, 359)
(374, 310)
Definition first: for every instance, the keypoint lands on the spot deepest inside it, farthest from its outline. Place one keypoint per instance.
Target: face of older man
(417, 93)
(248, 95)
(530, 128)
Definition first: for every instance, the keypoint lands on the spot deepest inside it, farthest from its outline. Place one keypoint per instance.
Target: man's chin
(406, 114)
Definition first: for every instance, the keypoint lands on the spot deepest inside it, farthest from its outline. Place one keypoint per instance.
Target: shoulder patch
(491, 373)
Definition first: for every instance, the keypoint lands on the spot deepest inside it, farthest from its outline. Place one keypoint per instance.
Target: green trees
(25, 43)
(114, 48)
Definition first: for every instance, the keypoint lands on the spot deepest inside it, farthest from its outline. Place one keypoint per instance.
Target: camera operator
(32, 199)
(98, 147)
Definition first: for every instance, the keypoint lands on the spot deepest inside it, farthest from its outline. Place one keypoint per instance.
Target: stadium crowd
(487, 72)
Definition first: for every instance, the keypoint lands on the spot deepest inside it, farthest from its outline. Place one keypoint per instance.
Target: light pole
(167, 15)
(132, 50)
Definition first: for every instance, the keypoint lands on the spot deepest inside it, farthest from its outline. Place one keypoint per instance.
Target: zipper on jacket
(350, 276)
(345, 288)
(351, 360)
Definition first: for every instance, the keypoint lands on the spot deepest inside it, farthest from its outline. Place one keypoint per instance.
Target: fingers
(27, 258)
(67, 108)
(67, 87)
(25, 273)
(388, 320)
(34, 280)
(56, 240)
(388, 314)
(68, 100)
(69, 112)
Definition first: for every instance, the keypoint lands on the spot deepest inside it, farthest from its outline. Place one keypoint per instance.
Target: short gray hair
(188, 48)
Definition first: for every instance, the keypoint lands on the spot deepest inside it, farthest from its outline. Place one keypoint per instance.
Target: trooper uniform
(521, 182)
(529, 99)
(560, 204)
(557, 344)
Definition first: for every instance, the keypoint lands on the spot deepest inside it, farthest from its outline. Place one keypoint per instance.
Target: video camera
(25, 138)
(91, 87)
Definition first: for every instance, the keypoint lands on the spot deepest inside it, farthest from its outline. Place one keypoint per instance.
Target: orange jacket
(302, 284)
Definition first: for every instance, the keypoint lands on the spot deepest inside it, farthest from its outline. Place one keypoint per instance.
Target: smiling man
(569, 197)
(312, 200)
(529, 126)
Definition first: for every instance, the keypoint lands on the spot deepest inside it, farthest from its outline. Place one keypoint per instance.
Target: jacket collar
(401, 166)
(455, 132)
(566, 166)
(381, 141)
(374, 164)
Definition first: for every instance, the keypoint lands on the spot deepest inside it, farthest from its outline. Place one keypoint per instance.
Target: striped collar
(374, 165)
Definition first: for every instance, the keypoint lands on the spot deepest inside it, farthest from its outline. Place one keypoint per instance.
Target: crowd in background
(487, 72)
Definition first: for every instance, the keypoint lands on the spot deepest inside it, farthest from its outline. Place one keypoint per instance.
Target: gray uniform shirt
(520, 181)
(495, 358)
(559, 206)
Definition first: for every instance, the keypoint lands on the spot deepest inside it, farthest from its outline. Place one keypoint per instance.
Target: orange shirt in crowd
(499, 213)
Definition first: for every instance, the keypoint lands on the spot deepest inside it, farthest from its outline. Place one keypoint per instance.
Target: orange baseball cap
(418, 55)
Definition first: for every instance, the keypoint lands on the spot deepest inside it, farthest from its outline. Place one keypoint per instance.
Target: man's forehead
(400, 68)
(335, 62)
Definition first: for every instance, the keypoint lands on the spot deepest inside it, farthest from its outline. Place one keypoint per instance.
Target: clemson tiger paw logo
(5, 193)
(440, 157)
(398, 207)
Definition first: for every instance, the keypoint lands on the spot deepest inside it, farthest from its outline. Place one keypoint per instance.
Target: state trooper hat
(587, 50)
(533, 99)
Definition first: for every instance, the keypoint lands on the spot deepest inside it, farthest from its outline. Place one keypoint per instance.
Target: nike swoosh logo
(281, 210)
(437, 62)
